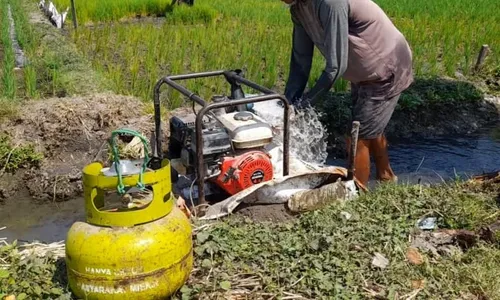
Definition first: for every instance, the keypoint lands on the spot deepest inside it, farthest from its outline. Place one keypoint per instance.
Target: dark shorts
(372, 108)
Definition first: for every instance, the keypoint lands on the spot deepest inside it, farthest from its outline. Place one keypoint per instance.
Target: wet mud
(274, 213)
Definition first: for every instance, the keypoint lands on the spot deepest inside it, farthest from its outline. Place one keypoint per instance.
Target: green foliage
(190, 15)
(255, 35)
(16, 157)
(323, 255)
(115, 10)
(29, 278)
(28, 41)
(8, 77)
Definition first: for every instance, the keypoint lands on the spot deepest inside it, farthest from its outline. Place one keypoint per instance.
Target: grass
(28, 41)
(8, 63)
(53, 68)
(323, 255)
(92, 11)
(89, 12)
(13, 157)
(255, 35)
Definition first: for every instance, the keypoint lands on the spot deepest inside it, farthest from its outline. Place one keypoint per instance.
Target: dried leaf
(418, 284)
(414, 257)
(380, 261)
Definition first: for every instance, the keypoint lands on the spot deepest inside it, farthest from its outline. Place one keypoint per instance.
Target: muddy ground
(69, 132)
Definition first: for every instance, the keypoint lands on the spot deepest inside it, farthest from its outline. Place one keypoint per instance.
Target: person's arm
(300, 63)
(333, 15)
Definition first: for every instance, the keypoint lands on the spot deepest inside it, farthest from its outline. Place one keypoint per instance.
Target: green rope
(116, 158)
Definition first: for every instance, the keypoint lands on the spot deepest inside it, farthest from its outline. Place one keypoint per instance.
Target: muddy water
(433, 160)
(26, 221)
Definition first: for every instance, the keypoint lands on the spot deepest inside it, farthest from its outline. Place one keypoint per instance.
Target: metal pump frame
(233, 77)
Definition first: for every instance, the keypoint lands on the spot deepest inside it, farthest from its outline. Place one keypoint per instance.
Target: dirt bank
(70, 133)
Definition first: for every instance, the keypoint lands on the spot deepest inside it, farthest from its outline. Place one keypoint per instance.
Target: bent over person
(360, 44)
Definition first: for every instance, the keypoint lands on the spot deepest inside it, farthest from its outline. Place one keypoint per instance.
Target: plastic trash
(428, 223)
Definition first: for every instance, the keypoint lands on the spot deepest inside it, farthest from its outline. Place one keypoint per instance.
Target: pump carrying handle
(116, 157)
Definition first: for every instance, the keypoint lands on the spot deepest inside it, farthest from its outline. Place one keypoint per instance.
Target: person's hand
(302, 103)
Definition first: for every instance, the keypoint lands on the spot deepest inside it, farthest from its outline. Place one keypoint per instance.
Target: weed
(13, 157)
(8, 109)
(29, 278)
(323, 255)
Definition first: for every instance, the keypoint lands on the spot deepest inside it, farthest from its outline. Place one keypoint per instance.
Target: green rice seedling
(30, 81)
(255, 35)
(8, 76)
(91, 11)
(186, 15)
(28, 41)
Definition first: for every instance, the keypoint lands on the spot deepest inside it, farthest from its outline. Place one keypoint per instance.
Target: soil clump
(274, 213)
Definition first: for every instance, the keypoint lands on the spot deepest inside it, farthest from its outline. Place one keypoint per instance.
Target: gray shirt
(358, 42)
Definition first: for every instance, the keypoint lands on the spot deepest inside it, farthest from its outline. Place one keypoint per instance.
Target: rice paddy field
(133, 43)
(255, 35)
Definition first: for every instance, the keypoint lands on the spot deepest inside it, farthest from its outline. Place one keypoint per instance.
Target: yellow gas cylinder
(129, 253)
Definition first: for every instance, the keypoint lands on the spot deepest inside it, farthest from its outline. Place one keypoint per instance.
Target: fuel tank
(131, 253)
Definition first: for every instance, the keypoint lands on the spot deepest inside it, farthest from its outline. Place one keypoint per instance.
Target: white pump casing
(246, 129)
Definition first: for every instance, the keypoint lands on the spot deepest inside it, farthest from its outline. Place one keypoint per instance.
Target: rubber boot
(361, 161)
(378, 148)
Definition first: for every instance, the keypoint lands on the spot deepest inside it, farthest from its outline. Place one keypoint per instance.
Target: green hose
(116, 158)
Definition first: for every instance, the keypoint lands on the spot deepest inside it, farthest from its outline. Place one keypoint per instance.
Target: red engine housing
(243, 171)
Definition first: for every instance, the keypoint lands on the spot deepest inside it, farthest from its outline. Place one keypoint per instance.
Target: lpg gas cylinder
(132, 252)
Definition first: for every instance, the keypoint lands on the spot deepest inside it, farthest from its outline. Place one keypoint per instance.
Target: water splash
(308, 136)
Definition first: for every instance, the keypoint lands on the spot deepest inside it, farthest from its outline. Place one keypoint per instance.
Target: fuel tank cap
(243, 116)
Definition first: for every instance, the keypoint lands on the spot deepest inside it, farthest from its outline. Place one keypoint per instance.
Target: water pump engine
(220, 148)
(233, 148)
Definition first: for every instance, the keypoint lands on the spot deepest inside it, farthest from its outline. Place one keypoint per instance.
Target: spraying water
(307, 134)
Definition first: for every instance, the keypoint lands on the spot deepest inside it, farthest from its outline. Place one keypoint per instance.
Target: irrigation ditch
(52, 133)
